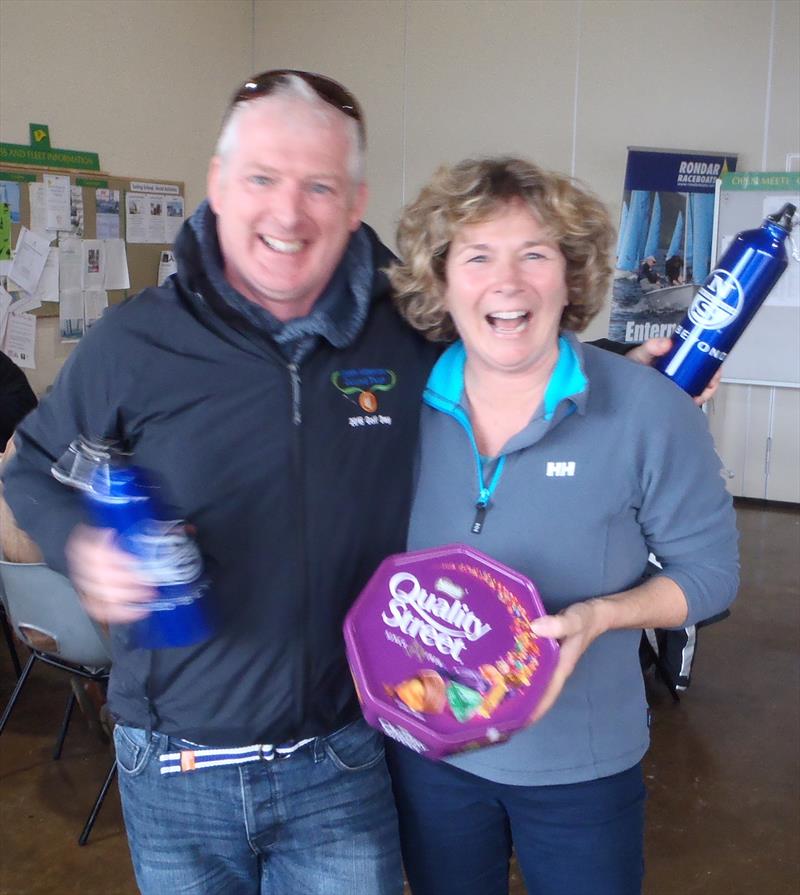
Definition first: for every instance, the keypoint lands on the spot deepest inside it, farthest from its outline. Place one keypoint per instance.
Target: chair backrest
(47, 614)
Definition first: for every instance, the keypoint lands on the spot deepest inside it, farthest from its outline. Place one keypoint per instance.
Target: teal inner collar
(566, 381)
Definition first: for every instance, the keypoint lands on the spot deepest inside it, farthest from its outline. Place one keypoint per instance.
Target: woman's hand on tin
(575, 629)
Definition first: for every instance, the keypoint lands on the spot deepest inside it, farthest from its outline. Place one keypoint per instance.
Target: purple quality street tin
(441, 650)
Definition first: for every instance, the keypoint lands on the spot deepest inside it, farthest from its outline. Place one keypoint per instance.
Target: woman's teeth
(280, 245)
(508, 321)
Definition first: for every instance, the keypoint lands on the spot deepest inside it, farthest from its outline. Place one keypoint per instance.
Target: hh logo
(561, 467)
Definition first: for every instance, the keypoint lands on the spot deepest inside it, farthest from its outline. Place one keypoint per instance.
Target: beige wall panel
(487, 78)
(783, 481)
(685, 74)
(360, 43)
(141, 82)
(739, 422)
(783, 131)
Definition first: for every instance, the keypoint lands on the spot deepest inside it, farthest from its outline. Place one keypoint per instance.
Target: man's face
(285, 204)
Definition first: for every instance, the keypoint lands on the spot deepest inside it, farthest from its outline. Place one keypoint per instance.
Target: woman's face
(505, 291)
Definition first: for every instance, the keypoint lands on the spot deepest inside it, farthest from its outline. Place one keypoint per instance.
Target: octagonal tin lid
(441, 651)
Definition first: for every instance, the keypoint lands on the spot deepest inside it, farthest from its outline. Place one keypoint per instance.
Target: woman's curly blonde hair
(476, 190)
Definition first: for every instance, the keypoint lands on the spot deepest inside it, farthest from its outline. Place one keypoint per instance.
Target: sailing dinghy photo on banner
(665, 233)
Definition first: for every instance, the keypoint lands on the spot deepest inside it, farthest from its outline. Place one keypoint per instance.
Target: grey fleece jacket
(616, 463)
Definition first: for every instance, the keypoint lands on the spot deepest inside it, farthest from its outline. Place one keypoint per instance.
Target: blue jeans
(320, 822)
(457, 831)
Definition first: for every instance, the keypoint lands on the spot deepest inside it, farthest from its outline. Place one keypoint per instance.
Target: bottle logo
(166, 556)
(718, 302)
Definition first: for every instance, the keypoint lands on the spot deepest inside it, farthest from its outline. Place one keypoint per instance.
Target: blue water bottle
(727, 301)
(125, 498)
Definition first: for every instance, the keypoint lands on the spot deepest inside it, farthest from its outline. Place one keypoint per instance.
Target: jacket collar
(337, 316)
(567, 390)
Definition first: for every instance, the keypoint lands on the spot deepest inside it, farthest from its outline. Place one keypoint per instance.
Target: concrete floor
(723, 771)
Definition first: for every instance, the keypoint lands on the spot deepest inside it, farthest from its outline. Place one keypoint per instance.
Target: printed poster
(664, 247)
(107, 213)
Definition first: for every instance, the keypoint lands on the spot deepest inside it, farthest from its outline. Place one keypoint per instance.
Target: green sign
(17, 176)
(96, 182)
(41, 153)
(763, 181)
(5, 231)
(40, 135)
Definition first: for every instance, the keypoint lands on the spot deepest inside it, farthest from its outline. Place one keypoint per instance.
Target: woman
(571, 465)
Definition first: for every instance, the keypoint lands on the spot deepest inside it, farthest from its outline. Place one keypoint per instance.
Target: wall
(141, 82)
(570, 83)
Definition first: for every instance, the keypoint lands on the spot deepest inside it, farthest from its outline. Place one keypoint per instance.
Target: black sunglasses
(330, 91)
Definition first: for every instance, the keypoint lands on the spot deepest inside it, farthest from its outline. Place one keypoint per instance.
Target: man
(275, 392)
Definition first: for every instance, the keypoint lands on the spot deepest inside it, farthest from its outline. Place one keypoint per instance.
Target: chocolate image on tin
(442, 653)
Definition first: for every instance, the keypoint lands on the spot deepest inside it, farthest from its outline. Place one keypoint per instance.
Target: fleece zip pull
(484, 499)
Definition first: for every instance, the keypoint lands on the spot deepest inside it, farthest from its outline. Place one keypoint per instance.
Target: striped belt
(193, 759)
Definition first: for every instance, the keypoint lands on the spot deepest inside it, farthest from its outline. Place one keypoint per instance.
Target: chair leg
(20, 682)
(87, 829)
(64, 725)
(8, 634)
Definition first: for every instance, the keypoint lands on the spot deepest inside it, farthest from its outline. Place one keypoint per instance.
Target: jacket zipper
(485, 492)
(303, 652)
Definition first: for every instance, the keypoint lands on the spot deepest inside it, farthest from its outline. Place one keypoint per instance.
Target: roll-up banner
(664, 248)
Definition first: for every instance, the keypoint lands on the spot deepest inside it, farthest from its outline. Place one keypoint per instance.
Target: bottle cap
(783, 218)
(84, 463)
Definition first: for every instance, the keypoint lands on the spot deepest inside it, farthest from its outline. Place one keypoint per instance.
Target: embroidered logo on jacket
(360, 387)
(560, 467)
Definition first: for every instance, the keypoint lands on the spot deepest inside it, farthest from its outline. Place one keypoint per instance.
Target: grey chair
(8, 634)
(47, 616)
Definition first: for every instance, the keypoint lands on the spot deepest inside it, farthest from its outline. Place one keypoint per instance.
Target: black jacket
(16, 398)
(296, 491)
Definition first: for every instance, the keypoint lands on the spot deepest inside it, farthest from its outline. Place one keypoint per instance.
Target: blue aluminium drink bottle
(123, 497)
(726, 302)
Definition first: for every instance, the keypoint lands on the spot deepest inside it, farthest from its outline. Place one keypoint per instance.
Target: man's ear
(358, 206)
(214, 183)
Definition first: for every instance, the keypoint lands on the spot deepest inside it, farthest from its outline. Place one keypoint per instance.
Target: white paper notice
(69, 263)
(95, 301)
(107, 213)
(57, 198)
(70, 315)
(47, 290)
(137, 210)
(25, 302)
(30, 257)
(174, 219)
(93, 273)
(116, 265)
(5, 304)
(75, 211)
(166, 267)
(37, 199)
(155, 219)
(20, 340)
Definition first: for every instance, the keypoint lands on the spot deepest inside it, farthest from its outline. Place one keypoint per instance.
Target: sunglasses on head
(326, 89)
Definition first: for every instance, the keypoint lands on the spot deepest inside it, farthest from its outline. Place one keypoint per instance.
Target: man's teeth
(280, 245)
